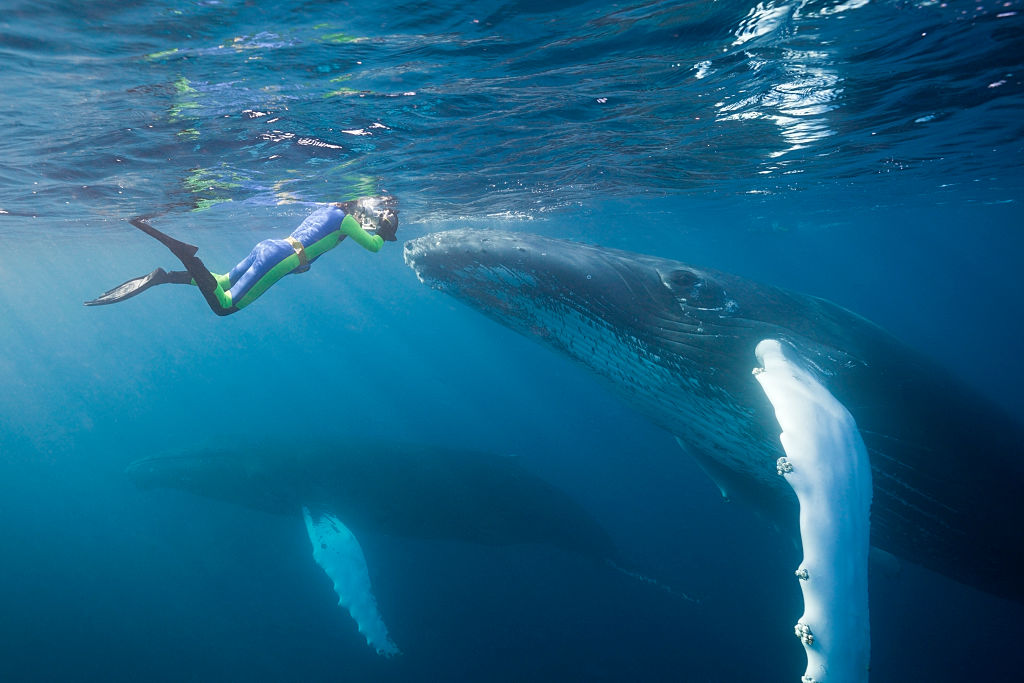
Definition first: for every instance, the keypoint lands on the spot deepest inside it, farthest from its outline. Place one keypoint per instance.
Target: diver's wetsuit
(268, 262)
(272, 259)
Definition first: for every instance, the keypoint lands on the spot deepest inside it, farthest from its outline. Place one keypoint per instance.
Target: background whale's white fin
(339, 554)
(828, 467)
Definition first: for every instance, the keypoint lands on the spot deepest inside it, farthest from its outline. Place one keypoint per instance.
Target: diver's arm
(350, 227)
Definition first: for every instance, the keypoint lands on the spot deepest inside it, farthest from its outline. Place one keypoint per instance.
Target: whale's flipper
(339, 554)
(827, 466)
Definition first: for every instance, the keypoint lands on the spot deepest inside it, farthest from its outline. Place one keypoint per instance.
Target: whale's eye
(681, 281)
(696, 291)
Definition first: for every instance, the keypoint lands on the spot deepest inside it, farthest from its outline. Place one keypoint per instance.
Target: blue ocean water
(866, 152)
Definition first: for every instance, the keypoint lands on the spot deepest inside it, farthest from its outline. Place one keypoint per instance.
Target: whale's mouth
(174, 468)
(144, 472)
(421, 254)
(443, 260)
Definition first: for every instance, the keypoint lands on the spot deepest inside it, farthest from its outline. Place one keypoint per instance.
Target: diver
(369, 221)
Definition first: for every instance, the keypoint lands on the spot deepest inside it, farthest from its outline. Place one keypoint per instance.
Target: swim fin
(140, 284)
(178, 248)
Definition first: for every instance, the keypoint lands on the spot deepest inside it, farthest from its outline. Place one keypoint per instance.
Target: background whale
(677, 342)
(400, 489)
(406, 490)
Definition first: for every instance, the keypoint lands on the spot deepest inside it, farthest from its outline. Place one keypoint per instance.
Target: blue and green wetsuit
(270, 260)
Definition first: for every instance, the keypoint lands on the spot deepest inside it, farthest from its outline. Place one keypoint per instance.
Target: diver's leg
(179, 277)
(202, 276)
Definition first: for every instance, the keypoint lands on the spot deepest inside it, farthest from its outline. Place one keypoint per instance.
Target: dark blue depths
(867, 154)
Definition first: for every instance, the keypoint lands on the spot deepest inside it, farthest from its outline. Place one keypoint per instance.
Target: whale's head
(579, 298)
(233, 475)
(534, 284)
(191, 471)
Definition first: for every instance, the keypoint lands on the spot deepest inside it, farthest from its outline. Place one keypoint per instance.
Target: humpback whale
(402, 490)
(677, 342)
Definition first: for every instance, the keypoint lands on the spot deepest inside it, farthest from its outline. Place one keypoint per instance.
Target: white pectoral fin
(339, 554)
(828, 467)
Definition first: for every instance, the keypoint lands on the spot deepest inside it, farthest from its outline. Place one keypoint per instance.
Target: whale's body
(404, 490)
(677, 342)
(346, 489)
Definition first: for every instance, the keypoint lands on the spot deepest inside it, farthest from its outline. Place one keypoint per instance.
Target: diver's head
(375, 214)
